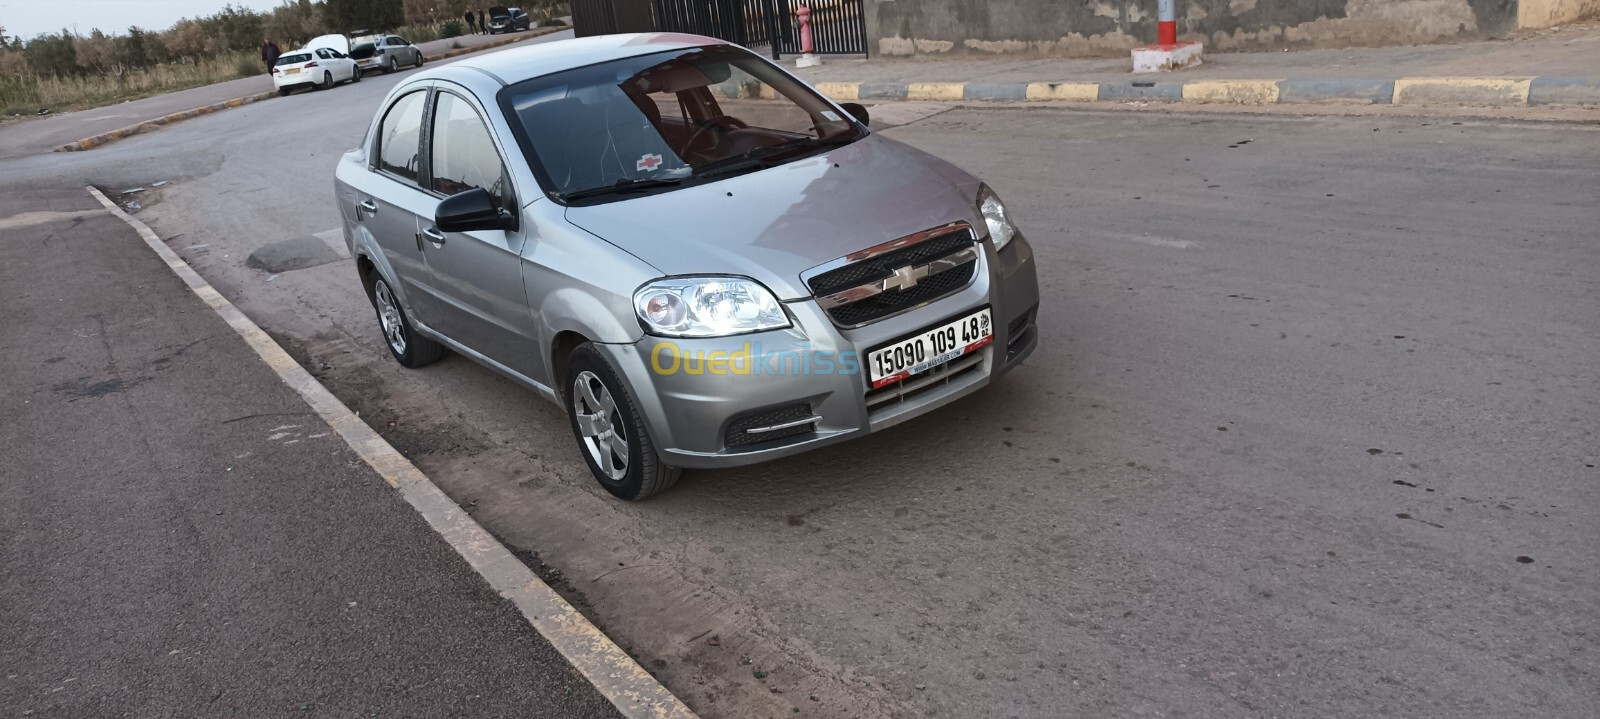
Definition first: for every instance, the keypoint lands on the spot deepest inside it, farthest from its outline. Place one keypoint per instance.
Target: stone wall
(1068, 28)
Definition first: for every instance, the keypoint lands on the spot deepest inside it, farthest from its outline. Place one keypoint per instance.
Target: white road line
(617, 677)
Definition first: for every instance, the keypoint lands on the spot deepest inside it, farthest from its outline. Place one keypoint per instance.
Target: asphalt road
(1312, 431)
(183, 537)
(26, 136)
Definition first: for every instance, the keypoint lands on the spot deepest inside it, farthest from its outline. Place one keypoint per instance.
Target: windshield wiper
(621, 187)
(765, 155)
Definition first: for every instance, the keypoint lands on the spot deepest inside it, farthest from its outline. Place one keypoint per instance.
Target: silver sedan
(702, 259)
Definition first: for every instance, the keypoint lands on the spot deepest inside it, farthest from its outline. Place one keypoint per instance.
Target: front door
(476, 276)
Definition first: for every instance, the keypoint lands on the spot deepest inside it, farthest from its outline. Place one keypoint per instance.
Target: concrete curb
(1486, 91)
(617, 677)
(104, 138)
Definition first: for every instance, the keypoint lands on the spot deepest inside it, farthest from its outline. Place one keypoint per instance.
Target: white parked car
(321, 64)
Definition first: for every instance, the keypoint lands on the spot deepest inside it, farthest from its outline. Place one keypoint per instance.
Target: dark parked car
(508, 19)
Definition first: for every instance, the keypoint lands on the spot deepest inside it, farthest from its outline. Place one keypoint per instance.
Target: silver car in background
(704, 260)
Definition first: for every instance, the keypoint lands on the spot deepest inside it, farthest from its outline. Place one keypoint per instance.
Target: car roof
(530, 61)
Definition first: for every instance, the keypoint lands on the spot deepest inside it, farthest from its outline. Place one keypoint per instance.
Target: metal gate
(837, 26)
(605, 17)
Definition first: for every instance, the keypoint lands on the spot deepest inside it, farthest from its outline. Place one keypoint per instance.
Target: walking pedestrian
(269, 53)
(483, 22)
(472, 24)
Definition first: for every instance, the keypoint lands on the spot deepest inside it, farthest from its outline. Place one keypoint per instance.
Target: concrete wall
(1108, 27)
(1548, 13)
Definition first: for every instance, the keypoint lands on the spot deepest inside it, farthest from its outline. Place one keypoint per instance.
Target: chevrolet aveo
(703, 260)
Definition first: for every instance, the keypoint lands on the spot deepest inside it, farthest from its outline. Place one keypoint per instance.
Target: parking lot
(1311, 430)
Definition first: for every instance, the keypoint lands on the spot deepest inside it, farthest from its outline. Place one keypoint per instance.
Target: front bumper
(696, 405)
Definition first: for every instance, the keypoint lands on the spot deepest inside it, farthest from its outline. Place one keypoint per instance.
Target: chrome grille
(898, 275)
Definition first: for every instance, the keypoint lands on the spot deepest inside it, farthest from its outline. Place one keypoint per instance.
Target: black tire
(645, 473)
(284, 92)
(327, 80)
(392, 66)
(421, 58)
(355, 77)
(410, 349)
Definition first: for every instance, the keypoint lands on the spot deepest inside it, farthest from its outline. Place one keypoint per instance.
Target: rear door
(390, 200)
(477, 276)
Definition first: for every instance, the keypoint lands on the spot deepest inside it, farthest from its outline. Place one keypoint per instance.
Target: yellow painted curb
(840, 91)
(617, 677)
(935, 90)
(1236, 92)
(1462, 90)
(1072, 91)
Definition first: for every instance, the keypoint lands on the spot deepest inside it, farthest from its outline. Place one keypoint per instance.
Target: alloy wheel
(601, 427)
(394, 328)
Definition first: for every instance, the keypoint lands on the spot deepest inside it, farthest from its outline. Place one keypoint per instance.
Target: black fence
(837, 26)
(606, 17)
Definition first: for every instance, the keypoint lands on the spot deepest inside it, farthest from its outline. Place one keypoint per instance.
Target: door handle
(434, 235)
(370, 206)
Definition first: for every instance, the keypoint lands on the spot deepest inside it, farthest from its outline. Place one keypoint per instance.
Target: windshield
(667, 119)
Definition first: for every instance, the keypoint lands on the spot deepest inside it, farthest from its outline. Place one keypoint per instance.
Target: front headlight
(994, 215)
(707, 307)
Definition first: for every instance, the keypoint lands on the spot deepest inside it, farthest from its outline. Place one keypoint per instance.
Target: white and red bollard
(1167, 54)
(806, 59)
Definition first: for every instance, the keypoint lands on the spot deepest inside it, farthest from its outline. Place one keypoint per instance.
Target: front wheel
(356, 75)
(610, 430)
(420, 58)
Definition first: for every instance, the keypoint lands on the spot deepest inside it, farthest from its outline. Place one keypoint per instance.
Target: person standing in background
(269, 53)
(472, 26)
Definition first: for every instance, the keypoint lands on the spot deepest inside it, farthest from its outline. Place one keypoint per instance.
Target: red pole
(1166, 23)
(805, 28)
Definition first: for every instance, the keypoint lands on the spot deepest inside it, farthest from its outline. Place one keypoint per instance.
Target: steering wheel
(712, 129)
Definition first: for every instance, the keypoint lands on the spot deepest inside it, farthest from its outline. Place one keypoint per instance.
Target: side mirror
(474, 209)
(858, 111)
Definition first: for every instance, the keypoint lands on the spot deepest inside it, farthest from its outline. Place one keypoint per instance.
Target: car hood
(332, 42)
(775, 224)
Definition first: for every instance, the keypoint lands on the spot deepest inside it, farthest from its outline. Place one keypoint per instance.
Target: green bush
(246, 66)
(450, 28)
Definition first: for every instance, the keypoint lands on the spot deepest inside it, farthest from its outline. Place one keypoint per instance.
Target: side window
(463, 155)
(396, 40)
(400, 136)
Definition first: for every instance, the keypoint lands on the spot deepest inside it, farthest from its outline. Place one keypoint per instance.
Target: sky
(33, 17)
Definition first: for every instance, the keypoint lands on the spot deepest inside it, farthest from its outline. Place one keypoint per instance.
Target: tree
(347, 15)
(53, 54)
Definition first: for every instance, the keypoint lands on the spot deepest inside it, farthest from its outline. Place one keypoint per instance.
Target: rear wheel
(610, 429)
(410, 349)
(283, 92)
(327, 80)
(393, 66)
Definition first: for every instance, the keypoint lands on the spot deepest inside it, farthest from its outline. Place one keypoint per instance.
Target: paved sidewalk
(41, 134)
(1569, 50)
(1556, 66)
(185, 538)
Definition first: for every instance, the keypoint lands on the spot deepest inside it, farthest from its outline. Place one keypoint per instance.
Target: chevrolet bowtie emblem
(905, 278)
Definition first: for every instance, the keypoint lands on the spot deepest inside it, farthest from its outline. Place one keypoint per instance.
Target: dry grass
(26, 95)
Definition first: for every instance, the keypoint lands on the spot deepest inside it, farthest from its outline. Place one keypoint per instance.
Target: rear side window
(400, 136)
(463, 155)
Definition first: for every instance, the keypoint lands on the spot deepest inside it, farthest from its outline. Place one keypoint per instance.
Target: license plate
(929, 348)
(291, 71)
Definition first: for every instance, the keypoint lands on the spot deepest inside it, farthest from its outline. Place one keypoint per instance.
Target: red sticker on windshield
(648, 163)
